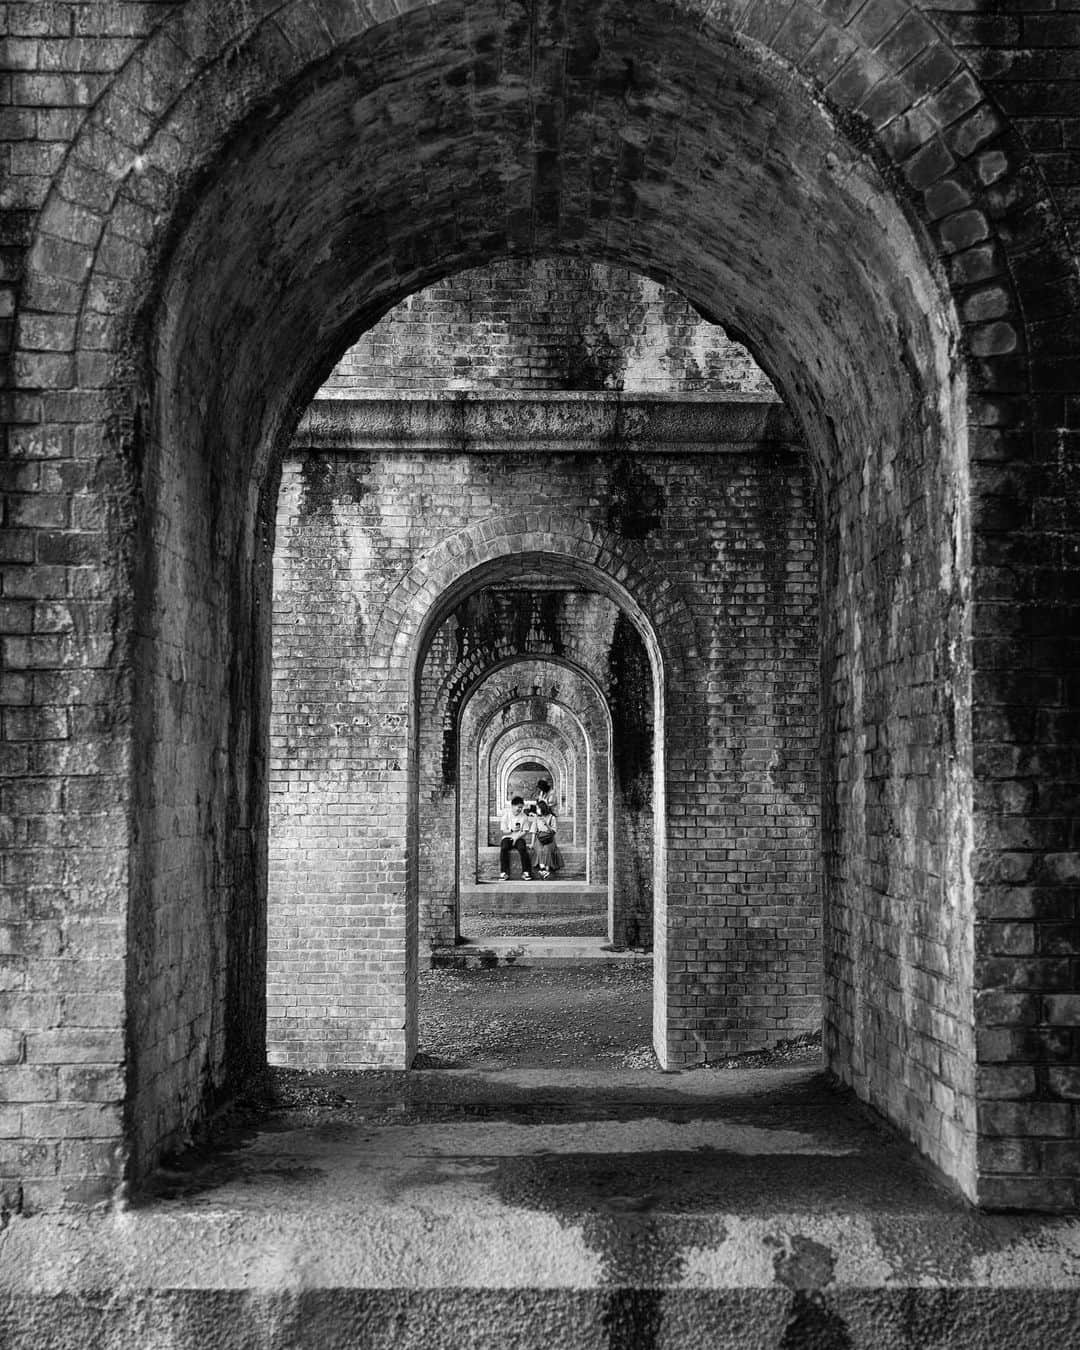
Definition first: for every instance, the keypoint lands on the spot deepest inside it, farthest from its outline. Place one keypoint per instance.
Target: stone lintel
(464, 422)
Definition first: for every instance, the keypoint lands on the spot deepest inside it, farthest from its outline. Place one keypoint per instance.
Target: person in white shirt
(515, 826)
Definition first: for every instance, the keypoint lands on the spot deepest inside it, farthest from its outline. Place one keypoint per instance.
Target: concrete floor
(548, 1206)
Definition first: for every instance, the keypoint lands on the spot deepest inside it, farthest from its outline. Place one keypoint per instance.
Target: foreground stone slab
(520, 898)
(534, 1207)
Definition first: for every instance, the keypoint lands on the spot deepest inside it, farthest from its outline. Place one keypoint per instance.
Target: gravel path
(595, 1016)
(507, 1018)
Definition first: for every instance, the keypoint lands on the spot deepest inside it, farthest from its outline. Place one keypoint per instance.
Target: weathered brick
(1023, 1119)
(91, 1158)
(1025, 1192)
(91, 1083)
(75, 1046)
(28, 1083)
(998, 1082)
(36, 724)
(1063, 1009)
(11, 1046)
(64, 1120)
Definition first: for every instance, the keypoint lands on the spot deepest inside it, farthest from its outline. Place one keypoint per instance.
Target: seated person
(514, 825)
(545, 851)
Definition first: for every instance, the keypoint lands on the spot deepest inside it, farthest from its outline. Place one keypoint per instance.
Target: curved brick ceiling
(401, 159)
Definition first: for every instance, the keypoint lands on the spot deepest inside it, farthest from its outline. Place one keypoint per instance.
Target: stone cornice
(464, 422)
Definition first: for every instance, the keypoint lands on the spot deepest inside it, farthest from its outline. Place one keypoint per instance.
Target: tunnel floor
(595, 1014)
(504, 1203)
(759, 1207)
(514, 1017)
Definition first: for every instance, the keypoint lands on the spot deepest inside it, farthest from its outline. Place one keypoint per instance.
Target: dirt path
(594, 1016)
(508, 1018)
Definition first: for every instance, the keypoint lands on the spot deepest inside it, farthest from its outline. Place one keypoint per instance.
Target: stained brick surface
(550, 324)
(742, 937)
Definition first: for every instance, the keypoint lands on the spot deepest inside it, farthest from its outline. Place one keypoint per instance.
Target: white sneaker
(525, 876)
(503, 876)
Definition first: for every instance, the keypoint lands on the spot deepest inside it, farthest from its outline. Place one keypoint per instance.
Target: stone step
(560, 953)
(517, 897)
(574, 860)
(462, 1208)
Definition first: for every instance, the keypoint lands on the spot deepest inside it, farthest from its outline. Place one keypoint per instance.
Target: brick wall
(895, 833)
(548, 323)
(743, 935)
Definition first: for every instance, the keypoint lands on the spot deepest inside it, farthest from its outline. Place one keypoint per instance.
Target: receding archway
(413, 639)
(521, 776)
(495, 708)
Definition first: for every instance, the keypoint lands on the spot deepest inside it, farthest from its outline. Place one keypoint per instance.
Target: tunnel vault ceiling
(611, 131)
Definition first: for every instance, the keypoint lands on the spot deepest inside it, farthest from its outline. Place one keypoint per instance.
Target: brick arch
(978, 221)
(913, 94)
(517, 544)
(525, 545)
(528, 741)
(485, 651)
(903, 84)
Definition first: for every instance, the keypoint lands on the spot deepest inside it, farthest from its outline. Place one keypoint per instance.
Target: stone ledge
(517, 897)
(549, 1208)
(569, 423)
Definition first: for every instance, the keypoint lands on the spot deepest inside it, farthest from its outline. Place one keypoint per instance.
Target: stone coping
(465, 421)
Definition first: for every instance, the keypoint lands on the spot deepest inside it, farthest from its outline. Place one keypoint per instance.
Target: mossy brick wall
(915, 245)
(548, 323)
(734, 531)
(896, 724)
